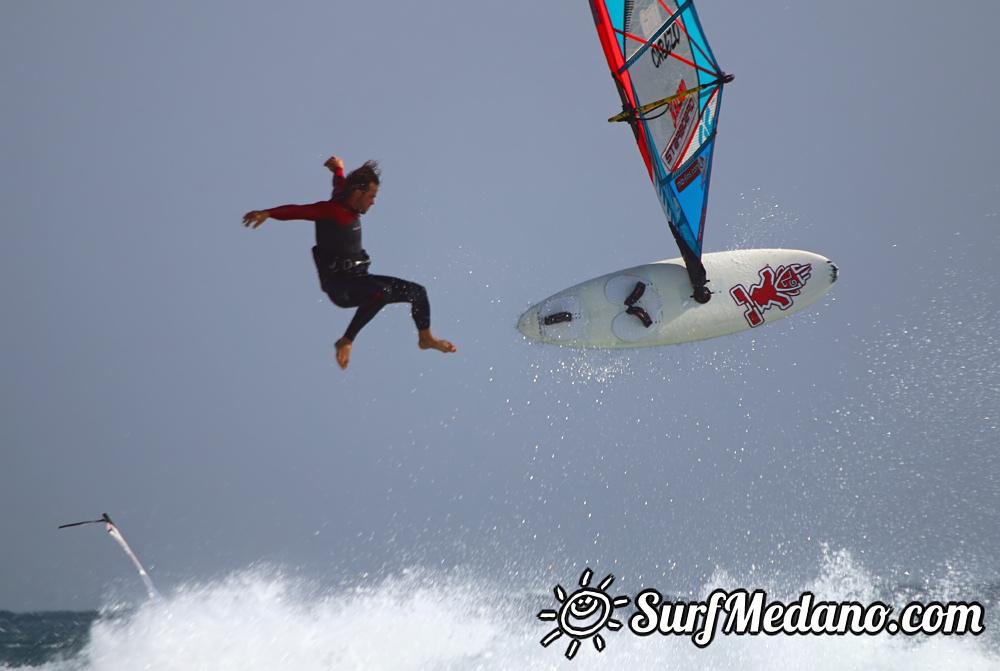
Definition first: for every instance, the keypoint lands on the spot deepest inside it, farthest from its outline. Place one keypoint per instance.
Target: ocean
(268, 618)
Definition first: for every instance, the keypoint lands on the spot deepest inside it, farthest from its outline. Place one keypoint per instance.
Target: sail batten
(671, 90)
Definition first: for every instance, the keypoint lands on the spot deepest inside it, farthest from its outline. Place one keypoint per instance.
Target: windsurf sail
(671, 90)
(117, 535)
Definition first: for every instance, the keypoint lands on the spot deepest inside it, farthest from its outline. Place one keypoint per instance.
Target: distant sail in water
(671, 90)
(117, 535)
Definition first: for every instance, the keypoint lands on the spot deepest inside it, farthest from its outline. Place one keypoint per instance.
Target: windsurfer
(342, 263)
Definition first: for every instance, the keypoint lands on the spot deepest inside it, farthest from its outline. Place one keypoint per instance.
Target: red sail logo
(685, 115)
(777, 288)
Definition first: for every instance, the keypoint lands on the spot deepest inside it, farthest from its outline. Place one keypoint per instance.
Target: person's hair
(360, 178)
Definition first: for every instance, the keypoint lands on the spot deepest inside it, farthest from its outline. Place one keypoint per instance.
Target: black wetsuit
(342, 263)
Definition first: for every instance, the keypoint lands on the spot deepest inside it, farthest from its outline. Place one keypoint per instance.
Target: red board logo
(776, 288)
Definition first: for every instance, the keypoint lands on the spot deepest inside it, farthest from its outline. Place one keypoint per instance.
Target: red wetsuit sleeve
(326, 209)
(333, 210)
(338, 180)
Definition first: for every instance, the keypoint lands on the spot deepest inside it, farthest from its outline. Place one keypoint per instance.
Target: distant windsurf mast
(671, 89)
(113, 530)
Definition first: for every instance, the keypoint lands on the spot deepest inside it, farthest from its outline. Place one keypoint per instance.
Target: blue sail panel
(689, 188)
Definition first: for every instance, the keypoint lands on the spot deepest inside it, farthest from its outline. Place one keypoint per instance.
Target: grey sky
(168, 367)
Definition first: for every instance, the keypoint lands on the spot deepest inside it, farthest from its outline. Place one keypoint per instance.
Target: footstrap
(641, 314)
(558, 318)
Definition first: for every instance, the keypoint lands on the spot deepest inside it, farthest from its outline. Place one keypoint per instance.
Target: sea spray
(267, 618)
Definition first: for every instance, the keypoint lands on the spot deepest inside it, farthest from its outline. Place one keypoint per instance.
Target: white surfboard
(651, 305)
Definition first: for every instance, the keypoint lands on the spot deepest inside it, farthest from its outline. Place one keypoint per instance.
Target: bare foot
(428, 341)
(344, 352)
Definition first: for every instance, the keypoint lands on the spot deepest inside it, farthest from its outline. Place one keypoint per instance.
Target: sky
(175, 370)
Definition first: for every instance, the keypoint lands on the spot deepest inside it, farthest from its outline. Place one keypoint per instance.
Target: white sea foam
(265, 619)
